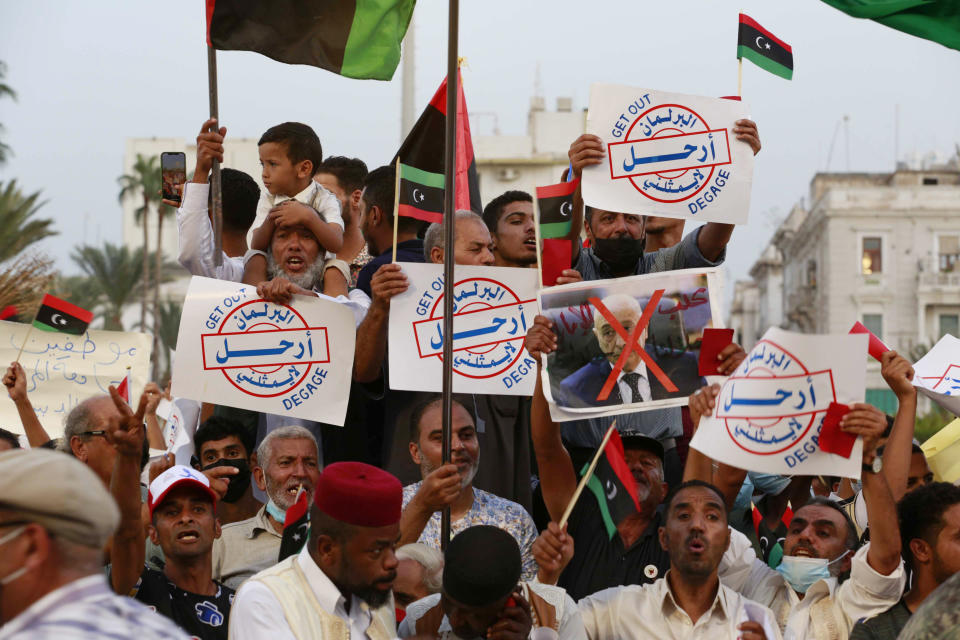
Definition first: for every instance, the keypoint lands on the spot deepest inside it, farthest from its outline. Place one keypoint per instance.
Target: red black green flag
(55, 314)
(420, 195)
(353, 38)
(424, 146)
(764, 49)
(555, 204)
(613, 485)
(936, 21)
(296, 527)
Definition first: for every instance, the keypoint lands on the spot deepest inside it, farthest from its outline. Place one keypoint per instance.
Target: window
(812, 273)
(948, 252)
(874, 322)
(871, 260)
(949, 323)
(930, 181)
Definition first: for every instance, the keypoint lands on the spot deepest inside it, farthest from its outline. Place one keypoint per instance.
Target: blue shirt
(407, 251)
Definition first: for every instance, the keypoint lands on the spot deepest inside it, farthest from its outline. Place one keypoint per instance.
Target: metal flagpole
(217, 196)
(449, 206)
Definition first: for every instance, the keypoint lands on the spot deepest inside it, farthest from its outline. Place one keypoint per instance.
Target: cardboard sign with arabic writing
(937, 374)
(769, 413)
(593, 373)
(668, 154)
(238, 350)
(493, 308)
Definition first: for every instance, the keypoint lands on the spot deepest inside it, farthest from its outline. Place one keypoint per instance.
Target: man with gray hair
(419, 573)
(472, 241)
(55, 518)
(287, 459)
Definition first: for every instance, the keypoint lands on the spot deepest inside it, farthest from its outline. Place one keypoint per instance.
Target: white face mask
(22, 570)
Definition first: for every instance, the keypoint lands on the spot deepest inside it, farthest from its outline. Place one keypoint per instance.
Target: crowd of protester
(97, 542)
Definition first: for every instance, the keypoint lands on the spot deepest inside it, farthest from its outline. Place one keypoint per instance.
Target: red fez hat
(359, 494)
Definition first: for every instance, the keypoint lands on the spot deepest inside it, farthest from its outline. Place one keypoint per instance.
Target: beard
(369, 593)
(426, 469)
(308, 279)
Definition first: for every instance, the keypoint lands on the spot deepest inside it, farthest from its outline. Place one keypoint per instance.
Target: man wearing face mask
(224, 444)
(55, 518)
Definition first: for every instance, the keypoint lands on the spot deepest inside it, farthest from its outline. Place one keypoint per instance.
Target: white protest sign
(769, 412)
(62, 369)
(937, 374)
(668, 154)
(238, 350)
(180, 427)
(493, 308)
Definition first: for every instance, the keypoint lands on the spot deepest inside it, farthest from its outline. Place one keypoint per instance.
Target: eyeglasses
(99, 432)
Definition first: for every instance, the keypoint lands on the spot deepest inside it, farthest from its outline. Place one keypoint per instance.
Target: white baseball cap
(173, 477)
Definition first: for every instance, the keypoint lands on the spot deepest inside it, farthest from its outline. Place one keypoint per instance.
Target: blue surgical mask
(276, 512)
(800, 572)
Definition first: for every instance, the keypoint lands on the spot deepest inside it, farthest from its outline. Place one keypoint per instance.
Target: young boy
(290, 154)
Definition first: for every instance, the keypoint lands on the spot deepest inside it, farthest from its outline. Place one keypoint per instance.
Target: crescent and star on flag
(765, 45)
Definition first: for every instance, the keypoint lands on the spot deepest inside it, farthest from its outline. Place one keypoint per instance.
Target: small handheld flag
(420, 195)
(613, 485)
(764, 49)
(296, 526)
(555, 206)
(124, 387)
(55, 314)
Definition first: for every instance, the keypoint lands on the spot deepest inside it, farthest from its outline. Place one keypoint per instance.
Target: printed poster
(770, 411)
(493, 308)
(668, 154)
(662, 316)
(63, 370)
(937, 374)
(238, 350)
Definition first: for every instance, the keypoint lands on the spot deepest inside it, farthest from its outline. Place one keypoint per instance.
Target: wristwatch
(874, 467)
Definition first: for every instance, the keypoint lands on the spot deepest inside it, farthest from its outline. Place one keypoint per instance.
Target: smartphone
(173, 171)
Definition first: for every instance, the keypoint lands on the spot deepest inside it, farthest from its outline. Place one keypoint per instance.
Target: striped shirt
(87, 609)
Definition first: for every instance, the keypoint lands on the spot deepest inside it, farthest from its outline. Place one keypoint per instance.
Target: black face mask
(620, 254)
(238, 483)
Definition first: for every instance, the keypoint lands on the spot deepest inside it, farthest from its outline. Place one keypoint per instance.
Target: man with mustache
(509, 217)
(339, 585)
(451, 485)
(286, 460)
(689, 601)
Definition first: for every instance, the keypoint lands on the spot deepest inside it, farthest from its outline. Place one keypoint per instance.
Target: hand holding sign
(898, 374)
(867, 421)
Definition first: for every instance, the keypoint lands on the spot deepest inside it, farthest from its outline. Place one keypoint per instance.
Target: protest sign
(937, 374)
(942, 451)
(592, 373)
(769, 413)
(180, 424)
(62, 369)
(668, 154)
(493, 308)
(238, 350)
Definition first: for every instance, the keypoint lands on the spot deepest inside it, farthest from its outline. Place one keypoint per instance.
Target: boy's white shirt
(315, 195)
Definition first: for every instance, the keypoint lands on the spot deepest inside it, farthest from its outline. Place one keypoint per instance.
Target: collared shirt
(196, 237)
(407, 251)
(684, 255)
(883, 626)
(490, 510)
(643, 384)
(826, 604)
(257, 614)
(245, 548)
(314, 195)
(87, 609)
(570, 625)
(600, 562)
(650, 611)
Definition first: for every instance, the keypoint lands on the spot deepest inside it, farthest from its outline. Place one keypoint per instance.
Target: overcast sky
(91, 74)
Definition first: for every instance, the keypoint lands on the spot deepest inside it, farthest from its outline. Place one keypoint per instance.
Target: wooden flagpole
(216, 193)
(739, 77)
(396, 209)
(586, 477)
(449, 207)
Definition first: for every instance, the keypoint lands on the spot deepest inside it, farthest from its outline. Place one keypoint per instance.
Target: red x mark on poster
(631, 340)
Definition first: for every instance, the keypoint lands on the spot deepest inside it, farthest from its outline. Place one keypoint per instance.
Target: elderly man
(689, 601)
(472, 241)
(634, 383)
(444, 485)
(483, 596)
(55, 518)
(339, 585)
(419, 574)
(286, 460)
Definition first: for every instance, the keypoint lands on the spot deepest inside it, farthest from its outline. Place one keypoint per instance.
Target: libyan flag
(55, 314)
(420, 194)
(937, 20)
(296, 527)
(764, 49)
(613, 485)
(353, 38)
(555, 204)
(424, 146)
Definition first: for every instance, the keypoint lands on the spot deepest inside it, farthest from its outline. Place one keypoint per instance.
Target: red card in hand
(876, 348)
(714, 341)
(554, 258)
(832, 438)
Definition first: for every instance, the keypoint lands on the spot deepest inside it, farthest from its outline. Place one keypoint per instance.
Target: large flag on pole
(937, 20)
(613, 485)
(424, 146)
(353, 38)
(764, 49)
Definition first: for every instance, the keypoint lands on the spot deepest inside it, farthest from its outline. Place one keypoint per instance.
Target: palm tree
(5, 91)
(118, 274)
(144, 182)
(18, 227)
(162, 212)
(23, 282)
(81, 290)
